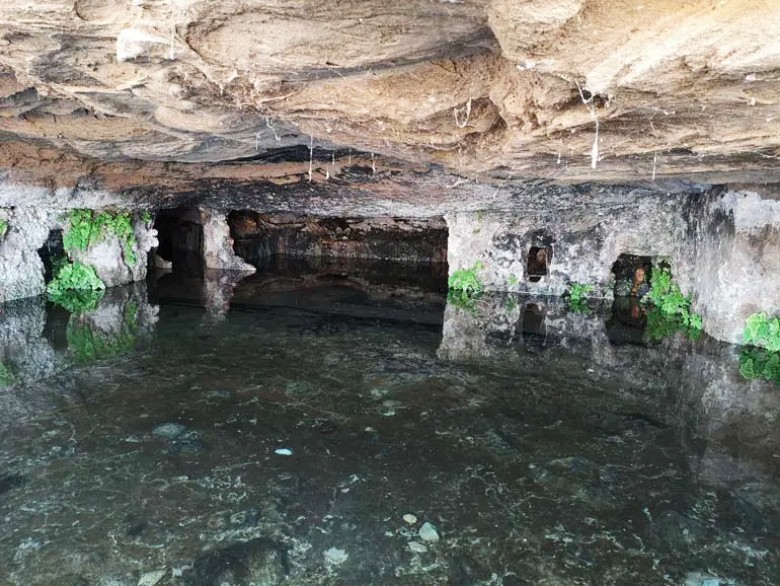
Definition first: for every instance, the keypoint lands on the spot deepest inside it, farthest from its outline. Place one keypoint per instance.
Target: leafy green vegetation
(6, 376)
(88, 343)
(579, 292)
(661, 325)
(762, 330)
(761, 360)
(76, 287)
(760, 363)
(665, 296)
(512, 280)
(466, 282)
(577, 297)
(86, 228)
(3, 227)
(465, 288)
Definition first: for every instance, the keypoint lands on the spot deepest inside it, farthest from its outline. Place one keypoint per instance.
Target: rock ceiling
(570, 90)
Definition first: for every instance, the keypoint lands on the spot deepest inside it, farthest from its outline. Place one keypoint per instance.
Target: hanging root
(594, 151)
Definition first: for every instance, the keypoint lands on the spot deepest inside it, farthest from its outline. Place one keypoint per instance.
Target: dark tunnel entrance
(180, 237)
(380, 249)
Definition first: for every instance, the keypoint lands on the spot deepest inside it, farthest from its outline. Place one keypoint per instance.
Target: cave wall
(723, 246)
(722, 243)
(259, 236)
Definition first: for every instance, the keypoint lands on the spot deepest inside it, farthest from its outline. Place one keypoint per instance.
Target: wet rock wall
(22, 266)
(258, 236)
(722, 243)
(723, 246)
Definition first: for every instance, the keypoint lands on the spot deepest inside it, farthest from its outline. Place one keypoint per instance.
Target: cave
(357, 292)
(538, 257)
(633, 275)
(51, 253)
(380, 248)
(180, 242)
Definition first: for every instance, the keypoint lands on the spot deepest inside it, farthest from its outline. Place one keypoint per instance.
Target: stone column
(218, 245)
(21, 267)
(736, 255)
(110, 261)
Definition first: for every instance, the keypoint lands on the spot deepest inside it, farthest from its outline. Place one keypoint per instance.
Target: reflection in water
(285, 442)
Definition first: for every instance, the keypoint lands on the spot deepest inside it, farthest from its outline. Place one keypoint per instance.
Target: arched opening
(632, 274)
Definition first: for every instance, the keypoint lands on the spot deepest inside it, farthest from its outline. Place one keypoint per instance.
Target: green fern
(87, 228)
(761, 330)
(466, 282)
(76, 287)
(665, 295)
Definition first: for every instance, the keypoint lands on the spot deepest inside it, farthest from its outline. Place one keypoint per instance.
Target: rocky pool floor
(325, 436)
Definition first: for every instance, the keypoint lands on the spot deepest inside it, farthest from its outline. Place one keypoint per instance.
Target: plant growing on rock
(86, 228)
(760, 363)
(76, 287)
(762, 330)
(665, 296)
(465, 287)
(466, 282)
(761, 359)
(3, 227)
(577, 297)
(661, 325)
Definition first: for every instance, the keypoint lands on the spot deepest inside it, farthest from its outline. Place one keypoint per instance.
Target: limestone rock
(491, 86)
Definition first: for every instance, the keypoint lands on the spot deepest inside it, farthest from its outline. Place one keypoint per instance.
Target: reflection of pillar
(25, 357)
(21, 267)
(217, 293)
(736, 424)
(498, 321)
(23, 350)
(122, 316)
(218, 245)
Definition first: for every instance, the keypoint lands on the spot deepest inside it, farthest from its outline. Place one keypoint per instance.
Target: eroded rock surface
(482, 86)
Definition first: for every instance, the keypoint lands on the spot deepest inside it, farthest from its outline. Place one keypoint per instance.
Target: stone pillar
(218, 245)
(110, 261)
(736, 258)
(21, 267)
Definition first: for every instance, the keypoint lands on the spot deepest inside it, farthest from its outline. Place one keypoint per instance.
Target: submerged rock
(259, 562)
(428, 532)
(170, 430)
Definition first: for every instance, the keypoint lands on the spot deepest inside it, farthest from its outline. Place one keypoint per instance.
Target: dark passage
(538, 257)
(632, 275)
(260, 236)
(180, 236)
(52, 253)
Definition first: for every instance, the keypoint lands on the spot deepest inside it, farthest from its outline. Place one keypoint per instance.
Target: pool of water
(300, 430)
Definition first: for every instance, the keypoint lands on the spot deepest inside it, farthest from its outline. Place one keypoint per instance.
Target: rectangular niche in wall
(538, 258)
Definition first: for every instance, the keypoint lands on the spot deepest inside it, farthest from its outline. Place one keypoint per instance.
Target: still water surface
(316, 431)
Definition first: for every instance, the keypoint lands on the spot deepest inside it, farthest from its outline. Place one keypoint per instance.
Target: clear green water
(278, 434)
